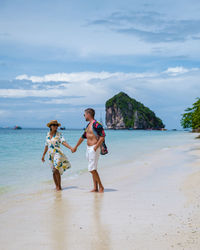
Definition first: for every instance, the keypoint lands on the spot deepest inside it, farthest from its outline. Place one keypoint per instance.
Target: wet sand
(151, 204)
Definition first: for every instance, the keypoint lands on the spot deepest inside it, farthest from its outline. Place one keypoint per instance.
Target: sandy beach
(100, 96)
(149, 204)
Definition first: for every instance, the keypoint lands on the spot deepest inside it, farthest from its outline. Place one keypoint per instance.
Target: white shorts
(92, 157)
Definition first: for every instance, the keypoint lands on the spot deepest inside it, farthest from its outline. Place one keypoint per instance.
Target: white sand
(151, 204)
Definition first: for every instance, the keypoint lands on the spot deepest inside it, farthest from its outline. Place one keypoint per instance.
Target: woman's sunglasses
(56, 125)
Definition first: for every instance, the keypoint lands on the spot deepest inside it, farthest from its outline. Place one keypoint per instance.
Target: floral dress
(57, 159)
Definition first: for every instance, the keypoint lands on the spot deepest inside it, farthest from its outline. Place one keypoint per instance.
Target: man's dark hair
(90, 111)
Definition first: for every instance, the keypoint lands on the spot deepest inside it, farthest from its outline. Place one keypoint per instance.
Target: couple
(94, 133)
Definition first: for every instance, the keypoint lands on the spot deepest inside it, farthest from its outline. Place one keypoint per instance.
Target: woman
(57, 160)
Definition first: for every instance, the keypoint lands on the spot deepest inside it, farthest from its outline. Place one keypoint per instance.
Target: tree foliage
(191, 118)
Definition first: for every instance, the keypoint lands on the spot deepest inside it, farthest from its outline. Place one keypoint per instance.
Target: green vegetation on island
(191, 118)
(124, 112)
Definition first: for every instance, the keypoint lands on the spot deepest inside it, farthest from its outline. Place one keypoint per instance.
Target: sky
(59, 57)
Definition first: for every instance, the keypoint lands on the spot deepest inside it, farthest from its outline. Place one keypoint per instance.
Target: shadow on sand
(105, 190)
(70, 187)
(110, 190)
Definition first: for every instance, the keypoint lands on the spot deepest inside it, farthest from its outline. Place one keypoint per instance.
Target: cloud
(82, 76)
(22, 93)
(179, 70)
(4, 113)
(166, 92)
(82, 88)
(4, 34)
(66, 77)
(150, 26)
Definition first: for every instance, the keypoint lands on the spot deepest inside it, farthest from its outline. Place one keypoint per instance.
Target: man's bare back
(91, 138)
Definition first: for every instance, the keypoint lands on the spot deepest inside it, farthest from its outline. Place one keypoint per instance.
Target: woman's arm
(67, 145)
(45, 150)
(78, 143)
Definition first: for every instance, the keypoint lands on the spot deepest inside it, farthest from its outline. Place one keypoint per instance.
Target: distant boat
(17, 127)
(62, 128)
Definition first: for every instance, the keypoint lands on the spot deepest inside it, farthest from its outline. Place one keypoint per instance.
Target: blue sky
(59, 57)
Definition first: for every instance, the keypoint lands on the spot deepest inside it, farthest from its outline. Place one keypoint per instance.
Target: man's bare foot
(58, 188)
(101, 189)
(94, 190)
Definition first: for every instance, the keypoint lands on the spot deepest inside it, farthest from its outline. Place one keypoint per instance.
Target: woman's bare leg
(55, 179)
(58, 177)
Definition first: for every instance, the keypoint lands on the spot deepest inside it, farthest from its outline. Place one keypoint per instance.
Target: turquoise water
(21, 152)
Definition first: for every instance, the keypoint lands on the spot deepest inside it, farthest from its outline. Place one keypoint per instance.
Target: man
(94, 134)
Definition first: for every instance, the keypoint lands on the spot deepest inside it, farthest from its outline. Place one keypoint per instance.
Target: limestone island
(124, 112)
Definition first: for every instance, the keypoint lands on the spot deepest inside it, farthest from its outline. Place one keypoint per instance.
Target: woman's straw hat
(53, 122)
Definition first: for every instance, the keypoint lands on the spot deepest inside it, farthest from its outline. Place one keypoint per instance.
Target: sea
(21, 168)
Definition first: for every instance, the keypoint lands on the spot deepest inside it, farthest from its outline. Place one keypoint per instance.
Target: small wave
(166, 148)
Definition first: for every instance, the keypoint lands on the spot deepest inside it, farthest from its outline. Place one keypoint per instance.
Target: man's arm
(78, 143)
(100, 141)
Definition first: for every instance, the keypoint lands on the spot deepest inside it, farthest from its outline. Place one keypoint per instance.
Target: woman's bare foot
(94, 190)
(101, 189)
(58, 188)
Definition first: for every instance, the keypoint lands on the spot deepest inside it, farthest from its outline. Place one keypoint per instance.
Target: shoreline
(105, 162)
(147, 202)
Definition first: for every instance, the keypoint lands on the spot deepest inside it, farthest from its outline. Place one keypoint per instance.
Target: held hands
(73, 150)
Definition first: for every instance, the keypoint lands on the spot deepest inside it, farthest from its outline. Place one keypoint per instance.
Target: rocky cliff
(123, 112)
